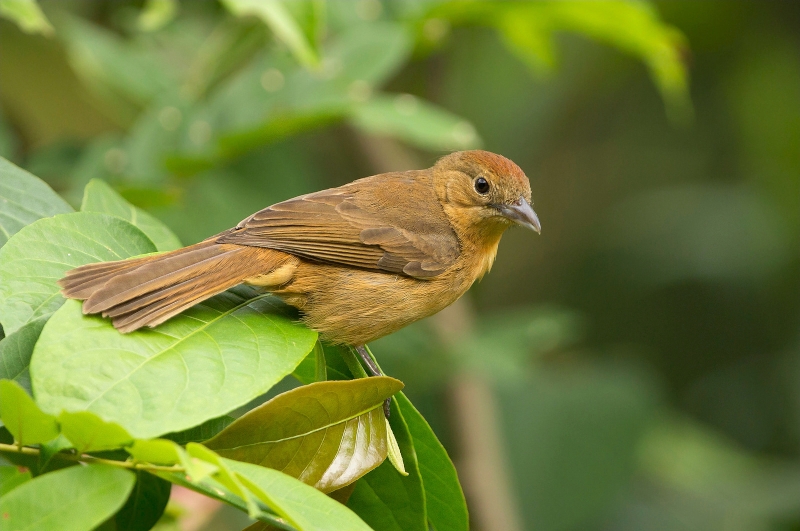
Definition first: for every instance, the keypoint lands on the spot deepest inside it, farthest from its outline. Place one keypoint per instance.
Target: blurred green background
(637, 366)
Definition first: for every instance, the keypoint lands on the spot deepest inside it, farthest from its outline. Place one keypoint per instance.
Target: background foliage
(642, 355)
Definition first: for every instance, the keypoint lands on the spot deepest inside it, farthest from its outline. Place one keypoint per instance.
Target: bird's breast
(355, 306)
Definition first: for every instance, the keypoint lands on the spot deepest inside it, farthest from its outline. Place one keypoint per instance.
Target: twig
(85, 458)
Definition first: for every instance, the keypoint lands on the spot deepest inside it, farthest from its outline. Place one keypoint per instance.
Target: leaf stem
(350, 358)
(85, 458)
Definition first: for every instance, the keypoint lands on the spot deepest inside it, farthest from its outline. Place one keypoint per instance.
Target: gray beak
(521, 213)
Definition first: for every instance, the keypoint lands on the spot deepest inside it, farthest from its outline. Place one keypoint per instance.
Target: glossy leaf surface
(24, 198)
(199, 365)
(100, 197)
(444, 499)
(38, 256)
(387, 500)
(306, 508)
(326, 434)
(77, 498)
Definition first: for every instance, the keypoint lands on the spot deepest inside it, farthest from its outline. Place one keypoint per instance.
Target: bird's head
(483, 193)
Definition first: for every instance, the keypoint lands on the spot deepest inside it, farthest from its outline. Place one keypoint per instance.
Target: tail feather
(85, 280)
(147, 291)
(163, 272)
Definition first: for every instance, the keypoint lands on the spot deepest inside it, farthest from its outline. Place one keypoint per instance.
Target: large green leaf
(38, 256)
(384, 498)
(226, 477)
(100, 197)
(24, 198)
(444, 499)
(415, 121)
(199, 365)
(16, 351)
(77, 498)
(269, 495)
(304, 507)
(327, 434)
(21, 416)
(145, 505)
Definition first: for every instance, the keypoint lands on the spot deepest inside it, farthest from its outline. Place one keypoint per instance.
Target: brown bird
(359, 261)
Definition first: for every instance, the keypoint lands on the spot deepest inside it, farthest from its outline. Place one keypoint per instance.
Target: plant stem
(350, 358)
(85, 458)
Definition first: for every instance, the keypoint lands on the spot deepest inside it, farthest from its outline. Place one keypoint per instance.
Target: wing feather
(360, 225)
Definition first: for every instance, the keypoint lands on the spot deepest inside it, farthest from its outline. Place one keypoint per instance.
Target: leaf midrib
(307, 433)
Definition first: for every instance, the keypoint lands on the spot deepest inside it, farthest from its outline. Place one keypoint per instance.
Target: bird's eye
(482, 185)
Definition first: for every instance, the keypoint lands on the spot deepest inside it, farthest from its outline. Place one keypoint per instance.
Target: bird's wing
(391, 222)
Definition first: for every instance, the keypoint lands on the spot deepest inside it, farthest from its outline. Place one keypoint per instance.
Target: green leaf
(444, 499)
(309, 370)
(199, 365)
(90, 433)
(415, 121)
(394, 454)
(313, 368)
(273, 497)
(12, 476)
(280, 21)
(304, 507)
(27, 15)
(387, 500)
(24, 198)
(156, 14)
(327, 434)
(145, 505)
(38, 256)
(23, 418)
(73, 499)
(16, 351)
(166, 452)
(225, 476)
(201, 433)
(529, 28)
(371, 53)
(157, 451)
(49, 449)
(125, 75)
(100, 197)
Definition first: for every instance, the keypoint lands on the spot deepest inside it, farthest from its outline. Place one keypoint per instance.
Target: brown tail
(149, 290)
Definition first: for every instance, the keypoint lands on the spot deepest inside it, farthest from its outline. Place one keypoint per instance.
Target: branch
(86, 458)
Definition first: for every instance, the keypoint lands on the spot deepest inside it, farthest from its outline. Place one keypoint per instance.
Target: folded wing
(360, 225)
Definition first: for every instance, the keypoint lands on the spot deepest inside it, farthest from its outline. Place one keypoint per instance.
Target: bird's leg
(375, 371)
(373, 368)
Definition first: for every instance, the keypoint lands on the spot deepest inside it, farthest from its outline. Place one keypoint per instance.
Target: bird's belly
(353, 306)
